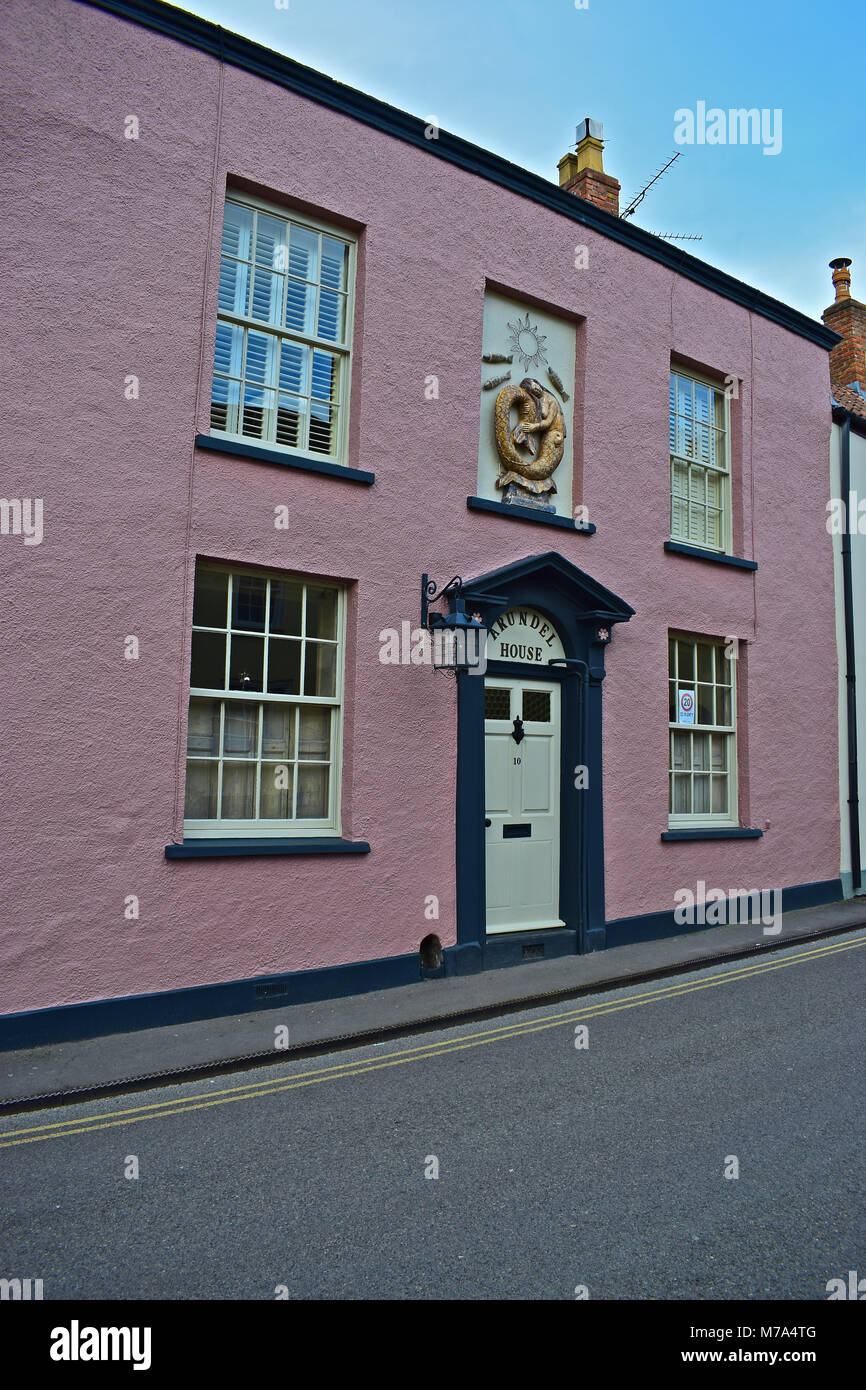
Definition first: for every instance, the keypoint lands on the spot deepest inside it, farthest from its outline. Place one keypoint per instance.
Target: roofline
(616, 610)
(316, 86)
(841, 414)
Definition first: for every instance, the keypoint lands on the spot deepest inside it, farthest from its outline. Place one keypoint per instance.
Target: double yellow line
(160, 1110)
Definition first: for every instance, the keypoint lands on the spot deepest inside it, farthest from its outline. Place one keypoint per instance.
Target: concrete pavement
(118, 1060)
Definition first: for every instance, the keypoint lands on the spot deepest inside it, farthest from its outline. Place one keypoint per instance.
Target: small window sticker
(687, 707)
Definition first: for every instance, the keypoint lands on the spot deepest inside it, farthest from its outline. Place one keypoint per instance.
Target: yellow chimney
(582, 171)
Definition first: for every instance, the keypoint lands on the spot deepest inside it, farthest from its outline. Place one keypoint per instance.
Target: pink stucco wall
(111, 269)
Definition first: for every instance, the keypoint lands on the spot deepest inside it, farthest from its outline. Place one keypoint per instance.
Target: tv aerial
(639, 197)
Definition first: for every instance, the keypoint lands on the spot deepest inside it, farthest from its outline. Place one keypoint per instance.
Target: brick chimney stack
(848, 317)
(583, 173)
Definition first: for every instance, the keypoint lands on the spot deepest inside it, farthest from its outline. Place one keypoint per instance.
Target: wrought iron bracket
(430, 591)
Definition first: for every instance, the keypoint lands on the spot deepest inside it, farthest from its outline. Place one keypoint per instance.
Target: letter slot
(517, 832)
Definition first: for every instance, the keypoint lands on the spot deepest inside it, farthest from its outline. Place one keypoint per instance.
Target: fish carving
(531, 451)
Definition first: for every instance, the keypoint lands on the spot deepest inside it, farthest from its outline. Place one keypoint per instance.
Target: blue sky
(516, 79)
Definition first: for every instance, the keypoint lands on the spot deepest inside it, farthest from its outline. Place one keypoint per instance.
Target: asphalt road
(559, 1166)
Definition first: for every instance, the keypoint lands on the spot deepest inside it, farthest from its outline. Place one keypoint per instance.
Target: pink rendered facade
(112, 271)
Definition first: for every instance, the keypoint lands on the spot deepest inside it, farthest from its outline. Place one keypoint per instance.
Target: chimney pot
(588, 127)
(583, 173)
(847, 317)
(841, 276)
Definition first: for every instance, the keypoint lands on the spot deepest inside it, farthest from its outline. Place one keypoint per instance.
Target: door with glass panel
(522, 776)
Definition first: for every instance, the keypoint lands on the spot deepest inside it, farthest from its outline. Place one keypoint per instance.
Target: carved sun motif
(527, 343)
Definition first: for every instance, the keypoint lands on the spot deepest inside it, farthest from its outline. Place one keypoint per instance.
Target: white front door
(522, 799)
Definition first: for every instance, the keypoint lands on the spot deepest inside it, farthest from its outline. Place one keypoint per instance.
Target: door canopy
(520, 598)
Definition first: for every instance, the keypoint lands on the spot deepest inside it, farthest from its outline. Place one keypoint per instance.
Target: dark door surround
(582, 611)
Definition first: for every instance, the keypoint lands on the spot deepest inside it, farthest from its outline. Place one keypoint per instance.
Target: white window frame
(703, 819)
(328, 826)
(725, 528)
(341, 350)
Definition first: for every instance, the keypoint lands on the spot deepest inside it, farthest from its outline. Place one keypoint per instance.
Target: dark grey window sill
(725, 832)
(255, 451)
(221, 849)
(483, 504)
(697, 552)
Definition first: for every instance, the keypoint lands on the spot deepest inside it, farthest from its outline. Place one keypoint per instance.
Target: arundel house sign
(522, 634)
